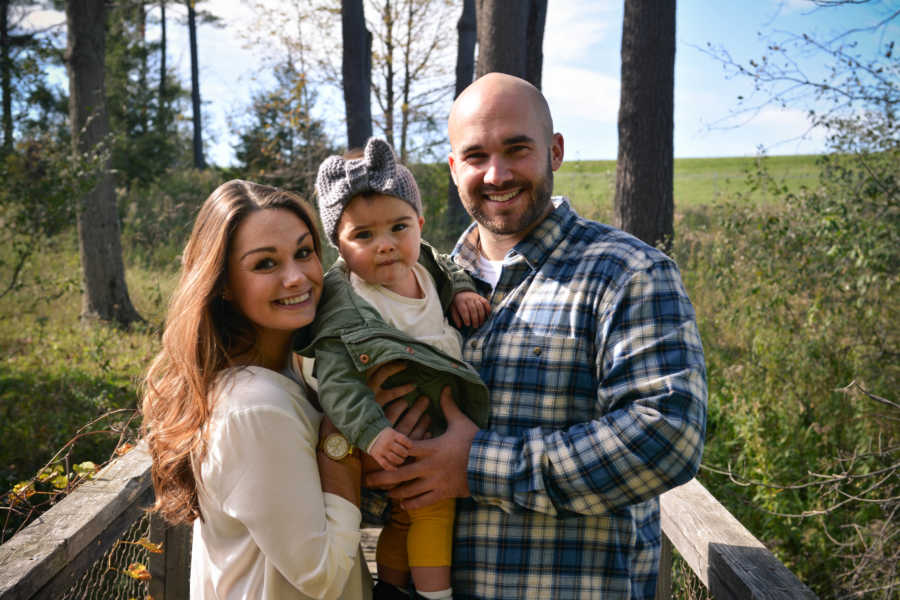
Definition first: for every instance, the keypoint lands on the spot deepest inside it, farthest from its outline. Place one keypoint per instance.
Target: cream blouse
(268, 532)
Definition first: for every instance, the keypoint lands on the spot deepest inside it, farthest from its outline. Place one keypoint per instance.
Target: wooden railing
(44, 559)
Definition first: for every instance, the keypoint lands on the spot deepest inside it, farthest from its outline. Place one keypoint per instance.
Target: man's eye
(262, 265)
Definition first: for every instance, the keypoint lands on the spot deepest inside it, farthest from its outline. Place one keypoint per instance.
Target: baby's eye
(263, 264)
(362, 235)
(399, 227)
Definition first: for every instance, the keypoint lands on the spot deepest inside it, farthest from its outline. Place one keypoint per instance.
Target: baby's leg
(430, 548)
(390, 553)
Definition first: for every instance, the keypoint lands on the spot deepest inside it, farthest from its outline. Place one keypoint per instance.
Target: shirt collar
(534, 247)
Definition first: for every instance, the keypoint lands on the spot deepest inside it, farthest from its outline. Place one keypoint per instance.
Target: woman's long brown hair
(203, 333)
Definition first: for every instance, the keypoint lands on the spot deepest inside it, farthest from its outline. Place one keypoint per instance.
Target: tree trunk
(105, 293)
(356, 71)
(502, 26)
(199, 161)
(161, 108)
(389, 99)
(6, 78)
(457, 217)
(534, 61)
(643, 201)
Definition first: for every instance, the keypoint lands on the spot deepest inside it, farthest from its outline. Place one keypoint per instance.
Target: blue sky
(581, 73)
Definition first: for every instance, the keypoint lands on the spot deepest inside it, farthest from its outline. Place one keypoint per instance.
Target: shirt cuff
(345, 517)
(492, 459)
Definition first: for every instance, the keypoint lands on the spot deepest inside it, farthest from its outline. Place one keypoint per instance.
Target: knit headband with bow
(339, 180)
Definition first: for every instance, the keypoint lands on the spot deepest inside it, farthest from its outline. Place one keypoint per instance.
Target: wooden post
(664, 581)
(732, 563)
(170, 570)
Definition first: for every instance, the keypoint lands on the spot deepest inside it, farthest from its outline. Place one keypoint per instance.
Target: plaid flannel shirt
(598, 404)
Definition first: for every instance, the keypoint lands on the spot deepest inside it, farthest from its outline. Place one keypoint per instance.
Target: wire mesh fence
(121, 573)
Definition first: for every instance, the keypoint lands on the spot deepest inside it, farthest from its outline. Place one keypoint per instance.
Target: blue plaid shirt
(598, 404)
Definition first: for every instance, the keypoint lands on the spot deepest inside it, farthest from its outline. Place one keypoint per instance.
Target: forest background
(791, 261)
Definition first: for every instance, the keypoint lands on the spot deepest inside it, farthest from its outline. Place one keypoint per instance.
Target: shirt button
(537, 351)
(364, 358)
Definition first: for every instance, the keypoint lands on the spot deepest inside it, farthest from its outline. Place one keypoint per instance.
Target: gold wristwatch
(336, 446)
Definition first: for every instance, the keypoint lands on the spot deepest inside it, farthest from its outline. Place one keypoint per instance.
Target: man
(595, 370)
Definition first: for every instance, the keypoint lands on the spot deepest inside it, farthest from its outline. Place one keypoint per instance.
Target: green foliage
(42, 182)
(147, 139)
(282, 145)
(157, 216)
(796, 301)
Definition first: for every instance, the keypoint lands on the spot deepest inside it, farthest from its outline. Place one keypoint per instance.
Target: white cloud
(574, 27)
(581, 94)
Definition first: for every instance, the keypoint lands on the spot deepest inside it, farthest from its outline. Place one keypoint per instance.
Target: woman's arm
(266, 476)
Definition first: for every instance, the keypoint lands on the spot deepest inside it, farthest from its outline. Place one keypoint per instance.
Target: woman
(232, 428)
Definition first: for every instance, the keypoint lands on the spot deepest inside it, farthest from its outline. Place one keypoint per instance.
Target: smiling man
(595, 370)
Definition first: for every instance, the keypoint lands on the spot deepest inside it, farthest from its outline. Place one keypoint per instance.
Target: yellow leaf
(150, 546)
(124, 449)
(60, 481)
(138, 571)
(48, 473)
(85, 469)
(21, 492)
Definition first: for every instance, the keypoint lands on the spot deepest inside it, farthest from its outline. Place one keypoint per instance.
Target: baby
(386, 299)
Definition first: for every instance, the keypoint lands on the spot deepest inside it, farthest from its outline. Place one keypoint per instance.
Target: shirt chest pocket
(540, 380)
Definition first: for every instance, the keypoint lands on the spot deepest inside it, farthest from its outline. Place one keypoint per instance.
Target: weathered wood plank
(170, 570)
(33, 557)
(725, 555)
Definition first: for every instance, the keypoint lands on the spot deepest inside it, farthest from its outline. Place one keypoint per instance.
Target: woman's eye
(266, 263)
(303, 253)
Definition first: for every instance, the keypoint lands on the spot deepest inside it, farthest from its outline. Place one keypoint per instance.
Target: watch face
(336, 446)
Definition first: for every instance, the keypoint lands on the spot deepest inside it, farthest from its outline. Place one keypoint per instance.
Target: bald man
(595, 368)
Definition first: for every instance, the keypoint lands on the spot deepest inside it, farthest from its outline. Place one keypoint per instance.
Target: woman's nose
(294, 275)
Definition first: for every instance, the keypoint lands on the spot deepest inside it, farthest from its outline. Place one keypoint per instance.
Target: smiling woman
(231, 425)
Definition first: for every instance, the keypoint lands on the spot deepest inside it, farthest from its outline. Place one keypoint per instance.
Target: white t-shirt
(419, 318)
(268, 532)
(489, 270)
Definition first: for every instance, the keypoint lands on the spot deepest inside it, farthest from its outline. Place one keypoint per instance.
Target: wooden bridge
(48, 558)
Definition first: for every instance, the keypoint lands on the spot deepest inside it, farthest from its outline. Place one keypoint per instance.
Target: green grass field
(591, 185)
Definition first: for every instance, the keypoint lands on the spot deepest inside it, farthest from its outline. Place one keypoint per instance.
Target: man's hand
(439, 469)
(470, 309)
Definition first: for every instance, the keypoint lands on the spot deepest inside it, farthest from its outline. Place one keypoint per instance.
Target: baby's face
(379, 237)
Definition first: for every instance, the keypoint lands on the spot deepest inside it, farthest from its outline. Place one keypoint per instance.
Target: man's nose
(498, 172)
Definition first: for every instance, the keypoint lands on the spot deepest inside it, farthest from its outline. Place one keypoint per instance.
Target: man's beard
(534, 211)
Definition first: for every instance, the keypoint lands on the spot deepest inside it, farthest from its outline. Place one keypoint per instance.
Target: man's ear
(452, 162)
(557, 149)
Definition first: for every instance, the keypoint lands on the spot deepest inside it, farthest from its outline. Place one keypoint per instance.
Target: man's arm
(647, 438)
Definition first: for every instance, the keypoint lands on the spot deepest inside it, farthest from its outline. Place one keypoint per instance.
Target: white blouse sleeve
(268, 480)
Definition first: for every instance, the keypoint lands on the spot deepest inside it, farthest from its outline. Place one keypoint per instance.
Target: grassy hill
(591, 185)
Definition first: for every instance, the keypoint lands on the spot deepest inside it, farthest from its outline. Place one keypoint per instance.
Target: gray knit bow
(339, 180)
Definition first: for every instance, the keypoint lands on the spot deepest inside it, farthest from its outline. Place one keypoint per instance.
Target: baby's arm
(389, 448)
(469, 308)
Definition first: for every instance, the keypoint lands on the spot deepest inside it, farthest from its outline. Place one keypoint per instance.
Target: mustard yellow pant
(418, 538)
